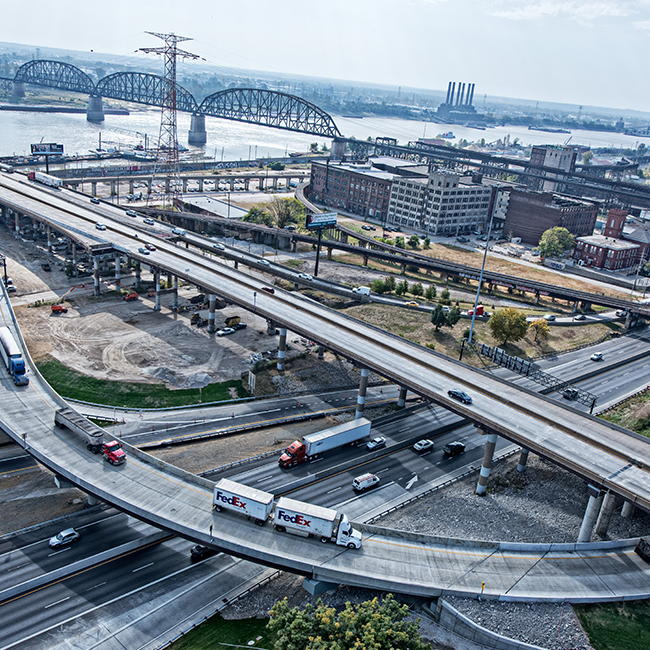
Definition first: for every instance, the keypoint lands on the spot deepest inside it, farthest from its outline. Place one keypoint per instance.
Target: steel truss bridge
(264, 107)
(572, 183)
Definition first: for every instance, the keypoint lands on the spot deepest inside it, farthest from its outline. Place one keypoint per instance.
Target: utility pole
(167, 153)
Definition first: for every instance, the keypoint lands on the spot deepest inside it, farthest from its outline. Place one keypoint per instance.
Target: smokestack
(461, 95)
(453, 91)
(470, 99)
(448, 92)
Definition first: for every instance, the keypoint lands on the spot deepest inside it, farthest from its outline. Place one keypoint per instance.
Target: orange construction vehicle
(130, 296)
(57, 307)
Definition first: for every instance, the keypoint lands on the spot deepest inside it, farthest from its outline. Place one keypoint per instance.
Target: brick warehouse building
(601, 252)
(531, 213)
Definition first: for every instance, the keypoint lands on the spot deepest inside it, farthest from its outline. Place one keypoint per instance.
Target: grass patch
(633, 414)
(216, 631)
(616, 626)
(75, 385)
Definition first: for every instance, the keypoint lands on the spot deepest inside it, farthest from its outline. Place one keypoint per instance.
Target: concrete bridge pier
(74, 256)
(486, 466)
(329, 253)
(212, 298)
(95, 110)
(118, 270)
(365, 260)
(318, 587)
(138, 274)
(270, 327)
(200, 185)
(628, 510)
(184, 184)
(175, 305)
(96, 276)
(17, 222)
(576, 304)
(93, 188)
(401, 400)
(282, 347)
(156, 277)
(537, 297)
(361, 397)
(48, 230)
(197, 134)
(523, 459)
(294, 246)
(131, 186)
(606, 512)
(18, 90)
(591, 512)
(337, 152)
(92, 500)
(321, 352)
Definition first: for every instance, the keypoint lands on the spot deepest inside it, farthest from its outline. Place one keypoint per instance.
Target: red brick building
(601, 252)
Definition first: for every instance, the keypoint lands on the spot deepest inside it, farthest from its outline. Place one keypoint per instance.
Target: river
(229, 140)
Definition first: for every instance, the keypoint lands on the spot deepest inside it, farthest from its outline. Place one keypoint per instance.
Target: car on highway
(150, 247)
(219, 247)
(100, 226)
(596, 356)
(200, 552)
(225, 331)
(66, 536)
(376, 443)
(131, 213)
(149, 221)
(240, 326)
(423, 445)
(305, 276)
(412, 303)
(460, 395)
(549, 317)
(143, 250)
(580, 317)
(95, 201)
(268, 289)
(454, 448)
(264, 263)
(570, 393)
(620, 313)
(46, 266)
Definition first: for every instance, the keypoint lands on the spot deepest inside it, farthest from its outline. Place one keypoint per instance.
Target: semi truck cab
(113, 452)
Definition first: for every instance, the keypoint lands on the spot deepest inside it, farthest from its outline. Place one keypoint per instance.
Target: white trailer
(242, 499)
(307, 519)
(77, 423)
(46, 179)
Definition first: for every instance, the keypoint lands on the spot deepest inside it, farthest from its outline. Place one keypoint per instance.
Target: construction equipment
(57, 307)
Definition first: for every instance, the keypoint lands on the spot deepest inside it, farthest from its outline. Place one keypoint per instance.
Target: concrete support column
(184, 185)
(92, 500)
(200, 185)
(321, 351)
(18, 90)
(211, 314)
(401, 400)
(93, 188)
(113, 188)
(575, 306)
(49, 237)
(246, 184)
(294, 245)
(197, 134)
(95, 110)
(337, 151)
(606, 512)
(138, 274)
(628, 510)
(96, 276)
(282, 347)
(17, 218)
(156, 277)
(270, 327)
(523, 459)
(403, 267)
(365, 260)
(130, 186)
(118, 270)
(236, 264)
(329, 253)
(537, 297)
(361, 397)
(74, 255)
(591, 512)
(175, 292)
(491, 443)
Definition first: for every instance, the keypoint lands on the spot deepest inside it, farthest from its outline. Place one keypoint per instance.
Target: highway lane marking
(143, 567)
(381, 471)
(265, 478)
(340, 487)
(22, 469)
(63, 550)
(58, 602)
(101, 584)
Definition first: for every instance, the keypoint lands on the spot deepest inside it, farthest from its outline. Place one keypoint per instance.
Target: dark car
(95, 201)
(46, 266)
(454, 448)
(268, 289)
(570, 393)
(240, 326)
(200, 552)
(460, 395)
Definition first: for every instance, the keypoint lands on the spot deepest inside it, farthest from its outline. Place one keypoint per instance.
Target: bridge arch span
(143, 88)
(55, 74)
(269, 108)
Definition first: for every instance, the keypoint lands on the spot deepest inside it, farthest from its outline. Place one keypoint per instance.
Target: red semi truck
(313, 445)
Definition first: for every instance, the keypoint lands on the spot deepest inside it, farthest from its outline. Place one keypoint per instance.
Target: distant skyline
(567, 51)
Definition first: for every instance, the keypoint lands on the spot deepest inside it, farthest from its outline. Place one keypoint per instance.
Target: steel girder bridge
(255, 106)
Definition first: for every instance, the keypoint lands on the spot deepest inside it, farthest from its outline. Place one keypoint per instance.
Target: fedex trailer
(242, 499)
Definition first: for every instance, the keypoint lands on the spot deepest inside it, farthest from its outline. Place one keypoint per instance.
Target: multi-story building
(603, 252)
(529, 214)
(554, 156)
(443, 203)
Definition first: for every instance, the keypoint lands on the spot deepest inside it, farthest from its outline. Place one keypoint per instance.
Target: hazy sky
(555, 50)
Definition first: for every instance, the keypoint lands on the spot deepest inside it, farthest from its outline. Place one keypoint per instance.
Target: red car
(268, 289)
(150, 247)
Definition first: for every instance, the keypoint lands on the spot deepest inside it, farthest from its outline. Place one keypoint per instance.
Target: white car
(596, 356)
(305, 276)
(264, 263)
(100, 226)
(423, 445)
(225, 331)
(219, 247)
(376, 443)
(66, 536)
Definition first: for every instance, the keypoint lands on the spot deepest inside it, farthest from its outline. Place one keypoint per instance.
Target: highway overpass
(608, 456)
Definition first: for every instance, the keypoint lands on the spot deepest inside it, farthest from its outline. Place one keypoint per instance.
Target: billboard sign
(47, 148)
(324, 220)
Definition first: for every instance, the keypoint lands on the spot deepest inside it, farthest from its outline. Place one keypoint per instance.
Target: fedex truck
(242, 499)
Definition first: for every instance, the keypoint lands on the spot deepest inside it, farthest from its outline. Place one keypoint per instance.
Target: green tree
(453, 316)
(417, 289)
(391, 283)
(431, 292)
(374, 624)
(555, 241)
(438, 317)
(508, 324)
(313, 147)
(426, 243)
(378, 286)
(259, 214)
(286, 211)
(541, 329)
(414, 241)
(587, 157)
(402, 288)
(399, 242)
(276, 166)
(444, 297)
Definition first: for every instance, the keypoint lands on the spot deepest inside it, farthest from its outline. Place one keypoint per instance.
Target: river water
(229, 140)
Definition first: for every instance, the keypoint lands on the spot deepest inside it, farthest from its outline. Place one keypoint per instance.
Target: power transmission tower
(167, 156)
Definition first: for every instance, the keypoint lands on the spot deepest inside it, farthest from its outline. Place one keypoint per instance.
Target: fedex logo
(233, 501)
(294, 519)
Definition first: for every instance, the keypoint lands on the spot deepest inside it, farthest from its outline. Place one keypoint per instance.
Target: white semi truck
(288, 515)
